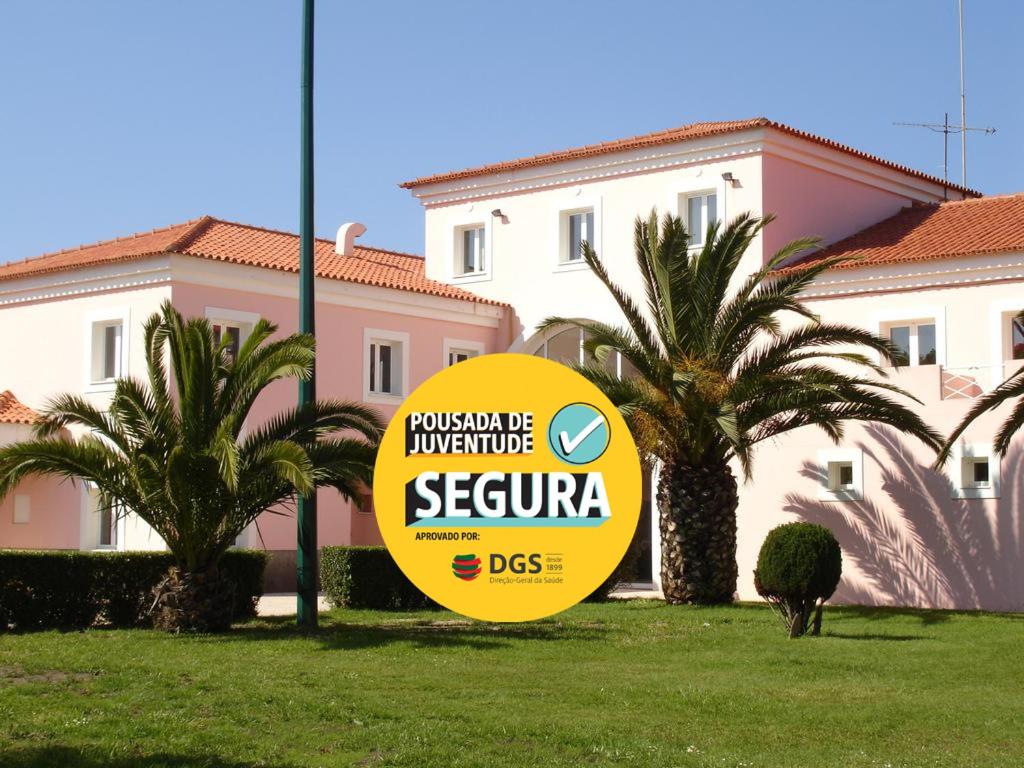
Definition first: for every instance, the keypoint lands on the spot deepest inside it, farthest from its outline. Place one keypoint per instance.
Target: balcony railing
(970, 381)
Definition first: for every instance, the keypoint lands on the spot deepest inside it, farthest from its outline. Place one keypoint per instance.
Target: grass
(636, 683)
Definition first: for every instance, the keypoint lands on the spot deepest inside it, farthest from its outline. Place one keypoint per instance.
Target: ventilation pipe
(345, 243)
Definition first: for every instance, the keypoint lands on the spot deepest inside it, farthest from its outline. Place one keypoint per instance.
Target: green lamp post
(306, 554)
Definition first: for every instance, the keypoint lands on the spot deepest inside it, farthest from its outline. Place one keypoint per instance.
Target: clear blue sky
(123, 116)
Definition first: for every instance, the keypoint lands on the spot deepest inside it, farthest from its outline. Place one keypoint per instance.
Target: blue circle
(578, 434)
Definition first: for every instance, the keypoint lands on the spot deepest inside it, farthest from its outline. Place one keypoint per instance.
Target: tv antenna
(945, 129)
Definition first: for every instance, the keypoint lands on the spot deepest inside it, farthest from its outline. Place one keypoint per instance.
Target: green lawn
(636, 683)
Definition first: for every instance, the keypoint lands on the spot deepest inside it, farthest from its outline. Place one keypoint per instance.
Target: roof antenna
(945, 129)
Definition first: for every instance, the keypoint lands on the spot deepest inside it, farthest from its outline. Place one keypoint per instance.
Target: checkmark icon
(570, 444)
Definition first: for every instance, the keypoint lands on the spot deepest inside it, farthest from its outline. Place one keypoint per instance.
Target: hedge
(367, 577)
(74, 590)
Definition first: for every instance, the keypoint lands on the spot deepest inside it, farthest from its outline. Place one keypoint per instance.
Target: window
(915, 342)
(22, 509)
(1016, 338)
(577, 220)
(101, 526)
(381, 380)
(233, 334)
(458, 350)
(231, 327)
(566, 347)
(580, 229)
(978, 474)
(470, 250)
(366, 507)
(699, 211)
(974, 471)
(108, 527)
(107, 345)
(842, 474)
(386, 361)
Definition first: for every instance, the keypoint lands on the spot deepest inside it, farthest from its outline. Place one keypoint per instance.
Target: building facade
(382, 327)
(941, 275)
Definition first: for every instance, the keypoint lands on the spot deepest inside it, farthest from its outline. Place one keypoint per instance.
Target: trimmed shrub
(47, 589)
(623, 573)
(74, 590)
(798, 569)
(367, 577)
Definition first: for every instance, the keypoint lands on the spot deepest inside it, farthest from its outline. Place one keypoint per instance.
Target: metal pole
(945, 158)
(306, 554)
(963, 103)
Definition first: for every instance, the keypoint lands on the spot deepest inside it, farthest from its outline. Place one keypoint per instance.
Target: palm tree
(174, 450)
(716, 374)
(1012, 388)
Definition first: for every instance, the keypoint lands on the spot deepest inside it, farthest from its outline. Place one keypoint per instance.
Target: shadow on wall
(919, 546)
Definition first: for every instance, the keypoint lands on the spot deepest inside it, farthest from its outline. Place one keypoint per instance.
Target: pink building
(942, 278)
(86, 307)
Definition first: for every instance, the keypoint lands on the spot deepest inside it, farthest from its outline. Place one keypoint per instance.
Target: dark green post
(306, 555)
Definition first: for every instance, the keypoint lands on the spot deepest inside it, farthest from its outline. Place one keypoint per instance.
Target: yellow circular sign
(507, 487)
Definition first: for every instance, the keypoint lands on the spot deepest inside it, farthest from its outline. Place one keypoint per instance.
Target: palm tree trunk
(201, 600)
(697, 519)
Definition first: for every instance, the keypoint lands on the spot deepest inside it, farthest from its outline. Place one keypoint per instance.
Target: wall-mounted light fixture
(496, 213)
(727, 176)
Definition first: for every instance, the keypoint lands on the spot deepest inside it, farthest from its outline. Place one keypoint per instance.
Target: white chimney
(345, 242)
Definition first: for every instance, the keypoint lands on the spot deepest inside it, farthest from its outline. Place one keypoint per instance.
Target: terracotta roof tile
(682, 133)
(926, 232)
(13, 412)
(219, 240)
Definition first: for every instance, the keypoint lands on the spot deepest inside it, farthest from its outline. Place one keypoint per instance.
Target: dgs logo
(502, 501)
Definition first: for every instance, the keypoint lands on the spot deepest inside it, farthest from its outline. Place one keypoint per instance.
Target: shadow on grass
(66, 757)
(875, 636)
(417, 632)
(926, 617)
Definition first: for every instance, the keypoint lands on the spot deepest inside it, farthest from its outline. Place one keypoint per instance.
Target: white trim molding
(917, 276)
(271, 282)
(460, 345)
(371, 335)
(232, 315)
(828, 463)
(686, 152)
(961, 458)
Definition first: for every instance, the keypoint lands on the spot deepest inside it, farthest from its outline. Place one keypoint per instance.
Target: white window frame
(470, 219)
(22, 513)
(458, 253)
(700, 182)
(244, 321)
(852, 456)
(913, 316)
(94, 321)
(683, 205)
(576, 202)
(376, 335)
(460, 345)
(963, 454)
